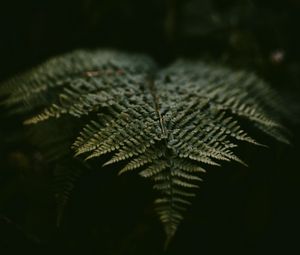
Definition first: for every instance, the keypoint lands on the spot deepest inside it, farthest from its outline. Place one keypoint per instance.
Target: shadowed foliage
(166, 124)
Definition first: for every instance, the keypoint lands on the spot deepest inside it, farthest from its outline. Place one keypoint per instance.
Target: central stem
(154, 94)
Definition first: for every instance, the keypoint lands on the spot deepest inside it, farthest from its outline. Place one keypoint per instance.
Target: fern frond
(149, 156)
(65, 176)
(53, 139)
(166, 125)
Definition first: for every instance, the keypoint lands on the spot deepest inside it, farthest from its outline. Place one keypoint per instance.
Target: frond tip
(167, 125)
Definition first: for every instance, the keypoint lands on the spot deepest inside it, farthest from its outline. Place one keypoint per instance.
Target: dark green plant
(166, 124)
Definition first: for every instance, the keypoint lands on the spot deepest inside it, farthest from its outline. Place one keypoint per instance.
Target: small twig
(12, 232)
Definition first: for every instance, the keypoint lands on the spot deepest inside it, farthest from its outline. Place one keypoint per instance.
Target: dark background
(238, 210)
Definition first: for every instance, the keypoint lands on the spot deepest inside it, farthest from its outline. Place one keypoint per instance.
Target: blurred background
(238, 210)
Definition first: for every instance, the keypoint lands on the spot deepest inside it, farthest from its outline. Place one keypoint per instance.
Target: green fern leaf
(166, 124)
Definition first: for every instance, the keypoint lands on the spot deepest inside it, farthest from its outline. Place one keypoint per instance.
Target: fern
(65, 176)
(54, 139)
(165, 124)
